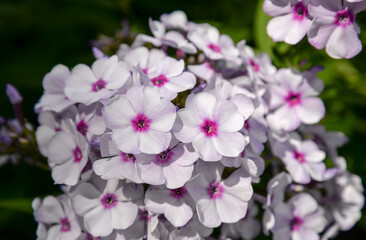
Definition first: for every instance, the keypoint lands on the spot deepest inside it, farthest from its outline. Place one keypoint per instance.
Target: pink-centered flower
(173, 166)
(140, 121)
(67, 154)
(291, 20)
(303, 159)
(88, 85)
(211, 125)
(169, 78)
(176, 204)
(301, 218)
(334, 27)
(215, 46)
(114, 163)
(58, 217)
(105, 206)
(219, 200)
(294, 100)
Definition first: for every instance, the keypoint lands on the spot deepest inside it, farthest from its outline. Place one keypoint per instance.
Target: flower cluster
(169, 138)
(329, 24)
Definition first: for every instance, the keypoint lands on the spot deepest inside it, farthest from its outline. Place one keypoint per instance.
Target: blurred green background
(37, 34)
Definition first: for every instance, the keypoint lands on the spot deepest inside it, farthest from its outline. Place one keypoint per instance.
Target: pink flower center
(214, 47)
(296, 223)
(300, 157)
(299, 11)
(145, 70)
(144, 215)
(209, 128)
(159, 81)
(90, 237)
(246, 125)
(254, 65)
(344, 18)
(77, 154)
(109, 200)
(98, 85)
(215, 190)
(128, 157)
(82, 127)
(293, 98)
(178, 193)
(141, 123)
(163, 157)
(65, 225)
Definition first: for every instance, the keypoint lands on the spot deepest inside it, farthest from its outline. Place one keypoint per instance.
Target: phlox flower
(53, 98)
(140, 121)
(57, 217)
(172, 167)
(67, 155)
(215, 46)
(334, 27)
(176, 204)
(106, 205)
(169, 77)
(301, 218)
(291, 20)
(219, 200)
(114, 163)
(176, 19)
(49, 124)
(211, 125)
(88, 85)
(303, 159)
(294, 100)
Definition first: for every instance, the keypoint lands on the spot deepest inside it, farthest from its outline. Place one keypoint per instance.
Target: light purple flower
(169, 78)
(88, 85)
(211, 125)
(204, 71)
(105, 206)
(172, 167)
(303, 159)
(334, 27)
(219, 201)
(115, 164)
(49, 125)
(175, 204)
(291, 20)
(67, 155)
(140, 121)
(294, 100)
(88, 119)
(57, 217)
(145, 59)
(215, 46)
(301, 218)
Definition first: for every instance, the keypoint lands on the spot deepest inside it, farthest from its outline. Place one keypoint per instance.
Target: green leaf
(262, 40)
(20, 204)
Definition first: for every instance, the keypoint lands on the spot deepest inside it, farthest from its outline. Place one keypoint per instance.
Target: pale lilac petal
(118, 113)
(172, 67)
(276, 8)
(230, 209)
(316, 170)
(186, 126)
(151, 173)
(61, 148)
(207, 213)
(228, 117)
(197, 187)
(312, 152)
(298, 172)
(67, 173)
(124, 215)
(206, 148)
(163, 118)
(244, 104)
(202, 105)
(143, 99)
(343, 43)
(182, 82)
(176, 176)
(239, 186)
(126, 140)
(304, 204)
(50, 211)
(98, 222)
(154, 142)
(229, 144)
(157, 199)
(178, 215)
(310, 110)
(288, 117)
(320, 31)
(304, 234)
